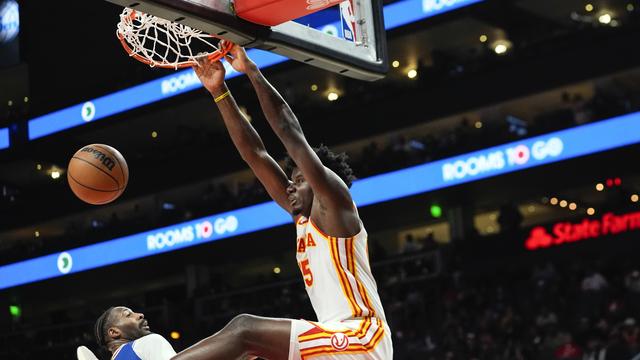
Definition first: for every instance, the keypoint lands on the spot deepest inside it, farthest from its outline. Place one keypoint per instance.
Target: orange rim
(224, 47)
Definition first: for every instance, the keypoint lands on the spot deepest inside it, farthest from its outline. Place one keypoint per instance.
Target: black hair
(336, 162)
(102, 325)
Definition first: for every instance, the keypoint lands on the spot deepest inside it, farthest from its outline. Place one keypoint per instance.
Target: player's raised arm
(243, 135)
(330, 190)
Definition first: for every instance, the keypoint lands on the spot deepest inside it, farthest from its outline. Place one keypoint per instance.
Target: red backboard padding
(275, 12)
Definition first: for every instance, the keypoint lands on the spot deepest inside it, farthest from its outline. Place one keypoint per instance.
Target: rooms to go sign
(501, 159)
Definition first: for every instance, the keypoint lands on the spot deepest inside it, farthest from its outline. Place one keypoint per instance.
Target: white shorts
(360, 339)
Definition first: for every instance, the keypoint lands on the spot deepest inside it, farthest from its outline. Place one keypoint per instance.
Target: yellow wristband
(219, 98)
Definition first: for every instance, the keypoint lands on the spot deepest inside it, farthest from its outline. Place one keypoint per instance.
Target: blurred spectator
(410, 245)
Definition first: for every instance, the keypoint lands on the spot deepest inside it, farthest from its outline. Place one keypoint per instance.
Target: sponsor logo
(107, 161)
(181, 235)
(88, 111)
(180, 82)
(9, 21)
(225, 225)
(566, 232)
(65, 262)
(429, 6)
(339, 341)
(518, 155)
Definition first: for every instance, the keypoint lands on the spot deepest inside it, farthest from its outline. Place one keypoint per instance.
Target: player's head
(299, 191)
(120, 323)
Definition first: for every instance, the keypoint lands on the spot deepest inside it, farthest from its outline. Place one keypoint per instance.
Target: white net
(162, 43)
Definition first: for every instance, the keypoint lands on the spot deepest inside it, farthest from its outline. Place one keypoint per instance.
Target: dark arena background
(498, 166)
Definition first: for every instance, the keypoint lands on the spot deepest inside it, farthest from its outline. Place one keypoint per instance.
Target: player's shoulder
(151, 339)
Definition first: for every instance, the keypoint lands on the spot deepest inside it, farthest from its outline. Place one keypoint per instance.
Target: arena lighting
(395, 15)
(55, 174)
(332, 96)
(175, 335)
(563, 203)
(411, 74)
(478, 125)
(395, 63)
(314, 87)
(591, 211)
(573, 206)
(483, 38)
(36, 233)
(599, 187)
(635, 198)
(605, 18)
(589, 7)
(553, 201)
(630, 7)
(154, 134)
(436, 211)
(276, 270)
(498, 160)
(4, 138)
(38, 167)
(15, 311)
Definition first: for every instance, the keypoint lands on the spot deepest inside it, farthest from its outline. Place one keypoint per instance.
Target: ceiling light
(630, 7)
(276, 270)
(500, 49)
(573, 206)
(314, 87)
(26, 99)
(38, 166)
(395, 63)
(478, 124)
(154, 134)
(332, 96)
(605, 18)
(563, 203)
(591, 211)
(175, 335)
(412, 73)
(635, 198)
(55, 174)
(483, 38)
(37, 233)
(588, 7)
(553, 201)
(599, 186)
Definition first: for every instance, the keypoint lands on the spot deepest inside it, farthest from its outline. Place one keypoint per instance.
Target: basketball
(97, 174)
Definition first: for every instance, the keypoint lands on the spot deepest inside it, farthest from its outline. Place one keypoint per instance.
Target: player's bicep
(272, 178)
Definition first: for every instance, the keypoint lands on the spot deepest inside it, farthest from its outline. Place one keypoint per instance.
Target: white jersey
(337, 274)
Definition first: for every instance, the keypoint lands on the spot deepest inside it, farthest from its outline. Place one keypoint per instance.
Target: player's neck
(115, 346)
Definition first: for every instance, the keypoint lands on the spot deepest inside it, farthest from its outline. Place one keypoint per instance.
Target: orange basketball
(97, 174)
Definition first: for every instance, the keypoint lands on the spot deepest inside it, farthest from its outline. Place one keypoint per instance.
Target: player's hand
(211, 74)
(239, 60)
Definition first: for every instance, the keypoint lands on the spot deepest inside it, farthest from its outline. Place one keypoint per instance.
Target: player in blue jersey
(126, 335)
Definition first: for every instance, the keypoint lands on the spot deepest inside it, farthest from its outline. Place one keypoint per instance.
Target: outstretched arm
(243, 135)
(328, 188)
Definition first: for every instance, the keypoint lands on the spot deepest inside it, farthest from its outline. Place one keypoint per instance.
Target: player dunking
(331, 240)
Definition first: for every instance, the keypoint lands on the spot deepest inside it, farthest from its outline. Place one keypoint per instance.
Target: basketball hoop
(161, 43)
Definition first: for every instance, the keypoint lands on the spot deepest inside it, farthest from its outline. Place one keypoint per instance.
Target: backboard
(364, 57)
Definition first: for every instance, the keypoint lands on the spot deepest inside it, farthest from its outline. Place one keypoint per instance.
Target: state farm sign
(589, 228)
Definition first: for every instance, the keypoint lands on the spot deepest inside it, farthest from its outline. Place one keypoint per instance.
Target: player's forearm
(243, 135)
(277, 112)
